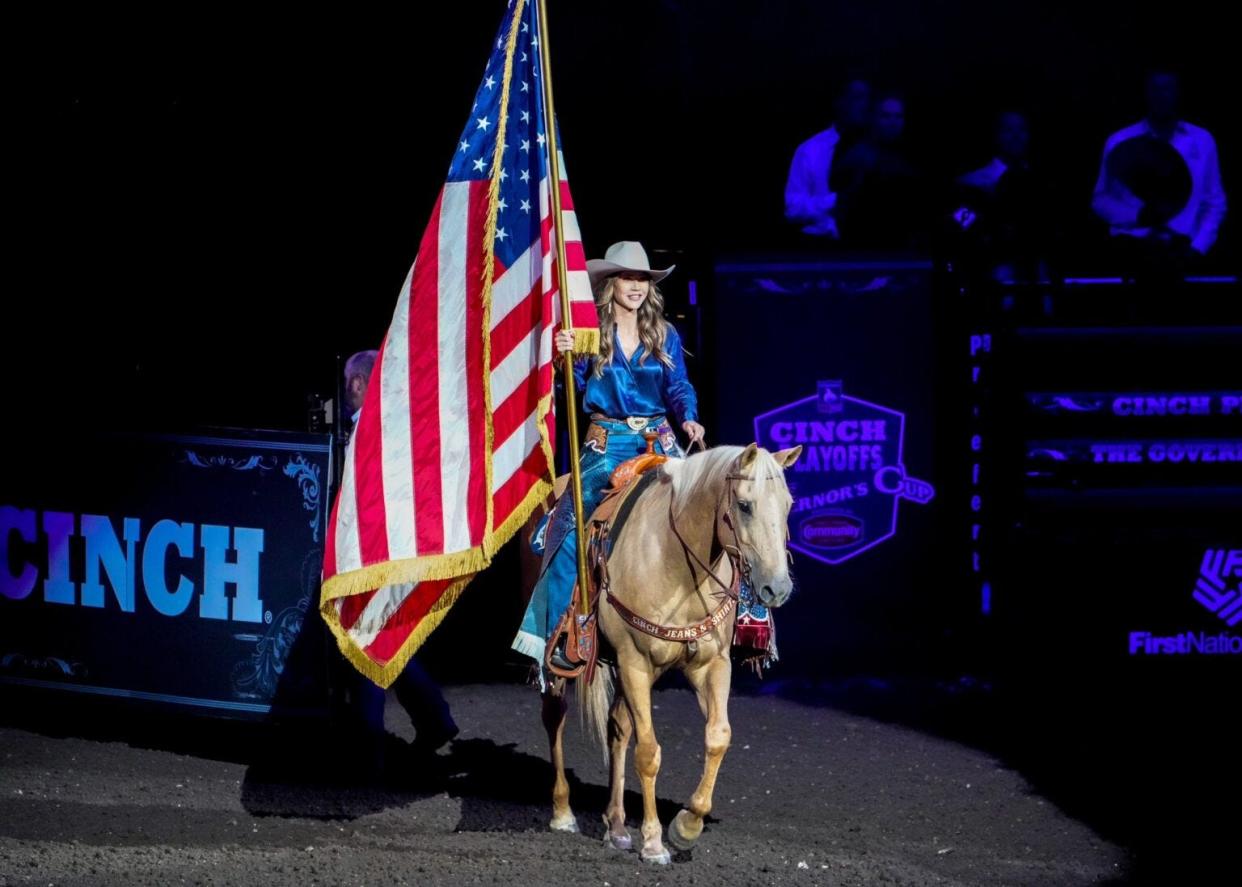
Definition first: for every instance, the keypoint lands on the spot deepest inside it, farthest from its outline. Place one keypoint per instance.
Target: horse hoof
(679, 839)
(619, 842)
(661, 858)
(568, 824)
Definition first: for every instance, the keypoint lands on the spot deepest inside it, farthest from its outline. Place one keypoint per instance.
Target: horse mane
(707, 471)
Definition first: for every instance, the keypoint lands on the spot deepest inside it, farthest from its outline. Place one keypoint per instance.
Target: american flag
(452, 450)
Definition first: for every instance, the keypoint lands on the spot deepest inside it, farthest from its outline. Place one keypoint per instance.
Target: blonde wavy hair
(652, 327)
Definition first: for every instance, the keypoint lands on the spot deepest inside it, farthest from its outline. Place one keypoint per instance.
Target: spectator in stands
(809, 201)
(881, 201)
(1007, 204)
(1159, 187)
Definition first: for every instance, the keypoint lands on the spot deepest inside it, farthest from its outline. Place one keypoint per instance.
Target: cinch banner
(840, 357)
(179, 569)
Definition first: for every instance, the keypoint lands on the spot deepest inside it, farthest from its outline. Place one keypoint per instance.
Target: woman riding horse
(638, 378)
(712, 524)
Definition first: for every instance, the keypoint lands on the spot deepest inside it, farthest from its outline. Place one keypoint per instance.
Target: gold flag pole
(567, 323)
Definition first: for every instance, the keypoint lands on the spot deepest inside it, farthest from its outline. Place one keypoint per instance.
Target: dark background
(211, 207)
(208, 206)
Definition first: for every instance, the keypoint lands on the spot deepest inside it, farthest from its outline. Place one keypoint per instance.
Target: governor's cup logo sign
(851, 478)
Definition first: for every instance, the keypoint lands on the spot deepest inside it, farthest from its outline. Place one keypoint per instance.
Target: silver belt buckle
(636, 423)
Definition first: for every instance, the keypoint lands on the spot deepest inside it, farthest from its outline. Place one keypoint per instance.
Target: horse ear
(787, 458)
(748, 456)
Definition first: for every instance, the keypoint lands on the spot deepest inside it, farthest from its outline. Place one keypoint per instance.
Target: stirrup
(558, 659)
(559, 662)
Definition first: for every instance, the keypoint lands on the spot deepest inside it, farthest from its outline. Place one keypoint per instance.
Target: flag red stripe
(516, 409)
(425, 389)
(352, 607)
(403, 622)
(511, 494)
(475, 373)
(575, 255)
(516, 327)
(584, 314)
(368, 483)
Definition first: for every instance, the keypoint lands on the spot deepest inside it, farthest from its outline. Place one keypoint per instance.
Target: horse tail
(594, 704)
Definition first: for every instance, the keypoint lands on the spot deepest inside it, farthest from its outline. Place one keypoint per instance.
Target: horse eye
(743, 506)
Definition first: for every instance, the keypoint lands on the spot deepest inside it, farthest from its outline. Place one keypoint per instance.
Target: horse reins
(733, 551)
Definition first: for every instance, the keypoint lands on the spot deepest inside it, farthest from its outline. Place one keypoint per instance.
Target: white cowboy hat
(628, 255)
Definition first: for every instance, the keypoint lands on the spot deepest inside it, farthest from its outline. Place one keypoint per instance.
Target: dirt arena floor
(809, 794)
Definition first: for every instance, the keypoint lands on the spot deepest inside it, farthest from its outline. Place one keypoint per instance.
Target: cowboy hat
(628, 255)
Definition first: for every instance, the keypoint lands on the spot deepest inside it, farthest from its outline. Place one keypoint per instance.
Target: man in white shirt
(809, 202)
(1197, 222)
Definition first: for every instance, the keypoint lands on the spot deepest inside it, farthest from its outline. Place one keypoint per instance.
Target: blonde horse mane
(706, 471)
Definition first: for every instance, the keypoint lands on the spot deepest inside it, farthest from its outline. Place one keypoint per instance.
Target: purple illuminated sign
(848, 483)
(1138, 404)
(1218, 590)
(1183, 451)
(1186, 643)
(1212, 588)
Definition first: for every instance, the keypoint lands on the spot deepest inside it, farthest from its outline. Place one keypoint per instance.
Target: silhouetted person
(1012, 146)
(1008, 206)
(809, 201)
(1158, 208)
(880, 198)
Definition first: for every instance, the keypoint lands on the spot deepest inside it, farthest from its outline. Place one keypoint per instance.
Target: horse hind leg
(554, 708)
(620, 729)
(711, 683)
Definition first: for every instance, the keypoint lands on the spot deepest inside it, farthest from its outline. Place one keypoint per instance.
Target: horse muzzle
(775, 591)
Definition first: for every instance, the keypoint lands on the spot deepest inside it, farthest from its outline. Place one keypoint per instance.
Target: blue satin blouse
(630, 388)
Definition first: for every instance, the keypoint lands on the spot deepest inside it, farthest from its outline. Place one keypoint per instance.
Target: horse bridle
(729, 594)
(741, 565)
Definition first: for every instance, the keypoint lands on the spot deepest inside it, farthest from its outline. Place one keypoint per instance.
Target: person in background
(809, 201)
(880, 196)
(357, 375)
(1007, 202)
(1138, 194)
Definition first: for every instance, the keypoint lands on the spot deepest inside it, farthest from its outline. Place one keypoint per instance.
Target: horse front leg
(620, 729)
(636, 680)
(554, 708)
(711, 683)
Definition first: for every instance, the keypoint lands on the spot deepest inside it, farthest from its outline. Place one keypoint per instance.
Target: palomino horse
(722, 510)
